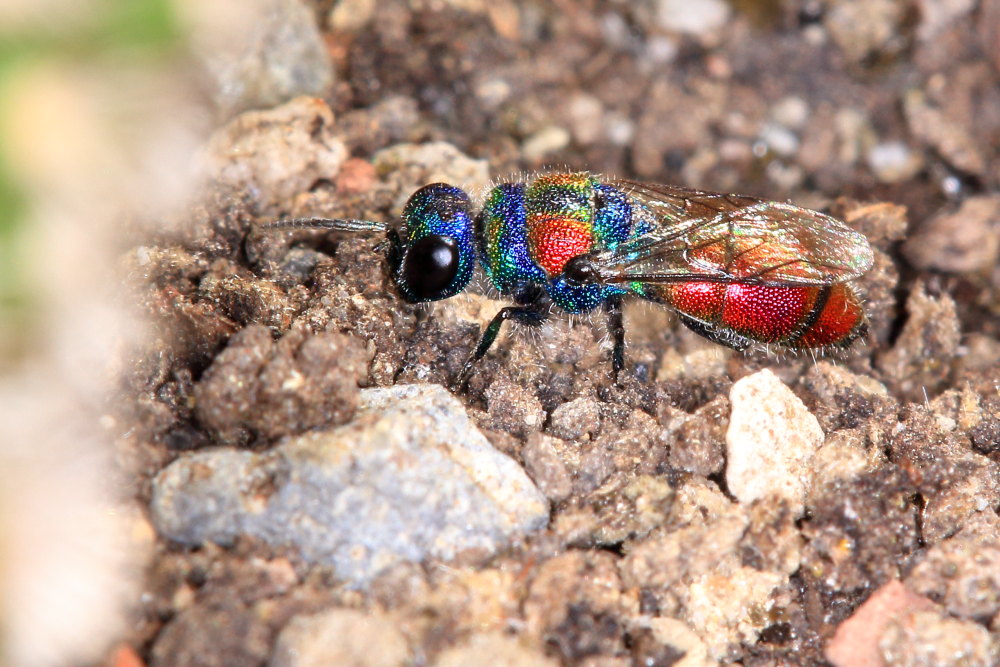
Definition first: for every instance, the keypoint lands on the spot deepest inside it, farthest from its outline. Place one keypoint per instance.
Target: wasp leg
(616, 326)
(532, 314)
(716, 335)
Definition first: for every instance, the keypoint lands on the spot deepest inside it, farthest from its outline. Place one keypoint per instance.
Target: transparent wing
(696, 235)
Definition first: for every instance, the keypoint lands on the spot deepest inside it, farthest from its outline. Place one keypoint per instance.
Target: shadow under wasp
(737, 270)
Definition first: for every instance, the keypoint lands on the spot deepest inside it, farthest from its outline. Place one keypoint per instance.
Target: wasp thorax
(438, 244)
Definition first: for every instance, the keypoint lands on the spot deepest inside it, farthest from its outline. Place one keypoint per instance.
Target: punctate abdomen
(797, 317)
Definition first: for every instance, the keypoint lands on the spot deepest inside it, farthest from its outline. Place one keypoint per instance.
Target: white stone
(692, 16)
(720, 605)
(779, 139)
(546, 141)
(677, 634)
(893, 161)
(341, 637)
(771, 441)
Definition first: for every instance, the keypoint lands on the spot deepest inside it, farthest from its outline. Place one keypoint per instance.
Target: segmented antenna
(335, 224)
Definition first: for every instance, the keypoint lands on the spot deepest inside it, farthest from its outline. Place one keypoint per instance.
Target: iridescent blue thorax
(528, 231)
(504, 239)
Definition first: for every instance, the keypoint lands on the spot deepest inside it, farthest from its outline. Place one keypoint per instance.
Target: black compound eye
(430, 266)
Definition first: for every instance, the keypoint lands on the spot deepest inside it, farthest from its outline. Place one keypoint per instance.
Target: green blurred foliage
(117, 30)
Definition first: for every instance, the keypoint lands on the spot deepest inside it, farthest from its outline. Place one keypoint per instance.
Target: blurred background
(90, 94)
(104, 105)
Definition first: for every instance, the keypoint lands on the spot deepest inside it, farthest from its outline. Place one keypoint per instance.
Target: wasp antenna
(335, 224)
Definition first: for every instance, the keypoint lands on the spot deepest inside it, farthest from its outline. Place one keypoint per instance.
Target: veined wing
(696, 235)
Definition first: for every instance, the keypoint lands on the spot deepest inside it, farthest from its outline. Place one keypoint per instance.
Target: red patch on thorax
(554, 240)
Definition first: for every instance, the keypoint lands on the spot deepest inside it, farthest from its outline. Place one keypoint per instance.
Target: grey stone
(260, 53)
(411, 478)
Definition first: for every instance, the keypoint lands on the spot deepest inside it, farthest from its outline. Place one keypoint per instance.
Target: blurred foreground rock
(259, 53)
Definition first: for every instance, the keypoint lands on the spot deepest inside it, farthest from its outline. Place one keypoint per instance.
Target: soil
(887, 114)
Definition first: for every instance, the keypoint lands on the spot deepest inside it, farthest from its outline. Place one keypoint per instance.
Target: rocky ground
(319, 497)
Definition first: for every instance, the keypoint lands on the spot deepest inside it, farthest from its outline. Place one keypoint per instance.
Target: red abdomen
(795, 317)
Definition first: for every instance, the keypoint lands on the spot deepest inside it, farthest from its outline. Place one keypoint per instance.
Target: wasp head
(438, 251)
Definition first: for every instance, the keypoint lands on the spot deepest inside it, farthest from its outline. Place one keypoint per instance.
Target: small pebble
(341, 637)
(791, 111)
(771, 440)
(894, 162)
(548, 140)
(856, 642)
(351, 15)
(779, 139)
(696, 18)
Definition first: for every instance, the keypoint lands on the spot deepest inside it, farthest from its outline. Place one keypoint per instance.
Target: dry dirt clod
(920, 361)
(955, 483)
(256, 388)
(277, 153)
(966, 240)
(963, 571)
